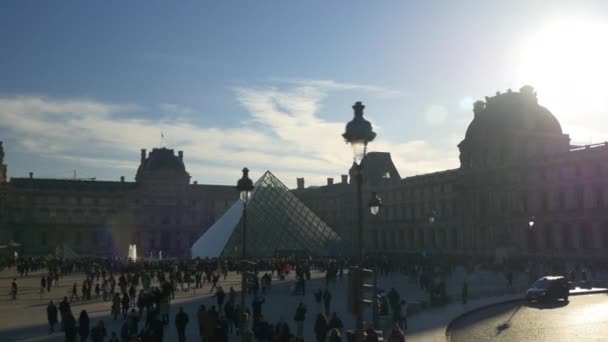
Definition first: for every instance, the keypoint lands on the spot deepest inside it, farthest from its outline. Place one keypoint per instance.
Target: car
(548, 288)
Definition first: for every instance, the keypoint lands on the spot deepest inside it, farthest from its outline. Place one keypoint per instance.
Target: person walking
(181, 320)
(51, 316)
(64, 310)
(14, 289)
(336, 323)
(465, 292)
(69, 324)
(256, 306)
(125, 301)
(74, 292)
(220, 295)
(116, 306)
(42, 286)
(318, 294)
(99, 333)
(83, 326)
(299, 318)
(200, 319)
(327, 301)
(321, 327)
(403, 315)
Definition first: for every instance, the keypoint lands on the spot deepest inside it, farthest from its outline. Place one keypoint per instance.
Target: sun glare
(567, 62)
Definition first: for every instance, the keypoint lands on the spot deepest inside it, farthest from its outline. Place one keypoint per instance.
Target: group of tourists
(139, 295)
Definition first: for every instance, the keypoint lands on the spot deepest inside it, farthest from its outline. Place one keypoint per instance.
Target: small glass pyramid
(277, 224)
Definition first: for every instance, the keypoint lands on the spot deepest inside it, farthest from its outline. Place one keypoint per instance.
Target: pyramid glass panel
(277, 222)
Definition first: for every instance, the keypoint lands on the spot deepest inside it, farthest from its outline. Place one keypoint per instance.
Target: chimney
(31, 175)
(143, 155)
(180, 155)
(330, 181)
(195, 182)
(122, 179)
(300, 183)
(344, 179)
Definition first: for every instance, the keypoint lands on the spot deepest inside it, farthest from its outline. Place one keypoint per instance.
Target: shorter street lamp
(244, 187)
(374, 205)
(432, 216)
(531, 222)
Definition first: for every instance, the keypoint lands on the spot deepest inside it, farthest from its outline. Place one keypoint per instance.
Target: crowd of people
(140, 293)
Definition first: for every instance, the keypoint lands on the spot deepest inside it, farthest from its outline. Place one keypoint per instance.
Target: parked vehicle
(548, 288)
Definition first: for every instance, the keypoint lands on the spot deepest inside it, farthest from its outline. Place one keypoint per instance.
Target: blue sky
(270, 84)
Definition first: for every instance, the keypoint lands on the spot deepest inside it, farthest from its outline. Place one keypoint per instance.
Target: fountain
(133, 252)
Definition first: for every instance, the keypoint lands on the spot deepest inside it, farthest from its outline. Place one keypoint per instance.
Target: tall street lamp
(531, 222)
(432, 216)
(374, 205)
(244, 187)
(358, 134)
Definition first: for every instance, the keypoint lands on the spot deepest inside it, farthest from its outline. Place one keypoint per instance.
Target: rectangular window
(580, 197)
(562, 200)
(43, 238)
(524, 202)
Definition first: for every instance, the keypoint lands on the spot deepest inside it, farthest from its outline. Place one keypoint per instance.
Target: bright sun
(567, 62)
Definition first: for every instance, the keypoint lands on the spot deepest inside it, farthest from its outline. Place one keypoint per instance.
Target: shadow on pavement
(507, 324)
(548, 305)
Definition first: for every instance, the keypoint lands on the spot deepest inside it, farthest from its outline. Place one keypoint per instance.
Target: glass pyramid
(277, 224)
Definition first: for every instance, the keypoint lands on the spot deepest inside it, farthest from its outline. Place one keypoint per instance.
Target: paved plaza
(25, 319)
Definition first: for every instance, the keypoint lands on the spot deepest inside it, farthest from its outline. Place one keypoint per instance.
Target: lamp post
(531, 222)
(358, 134)
(432, 216)
(244, 187)
(374, 204)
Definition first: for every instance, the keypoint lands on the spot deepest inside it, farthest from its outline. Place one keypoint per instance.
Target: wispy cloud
(284, 132)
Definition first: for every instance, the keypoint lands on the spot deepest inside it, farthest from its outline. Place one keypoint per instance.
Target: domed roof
(163, 159)
(162, 164)
(512, 112)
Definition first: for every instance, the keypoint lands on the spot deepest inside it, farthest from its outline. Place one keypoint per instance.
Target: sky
(270, 84)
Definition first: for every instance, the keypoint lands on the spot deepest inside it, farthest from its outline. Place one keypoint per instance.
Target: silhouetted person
(14, 289)
(83, 326)
(299, 318)
(64, 309)
(51, 316)
(327, 301)
(321, 327)
(181, 320)
(98, 333)
(69, 324)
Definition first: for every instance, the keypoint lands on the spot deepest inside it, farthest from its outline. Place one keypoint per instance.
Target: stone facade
(160, 211)
(516, 164)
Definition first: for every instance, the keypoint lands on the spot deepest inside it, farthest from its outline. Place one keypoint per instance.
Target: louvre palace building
(516, 166)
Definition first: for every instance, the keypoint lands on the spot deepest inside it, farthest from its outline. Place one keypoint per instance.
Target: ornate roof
(163, 159)
(163, 163)
(511, 112)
